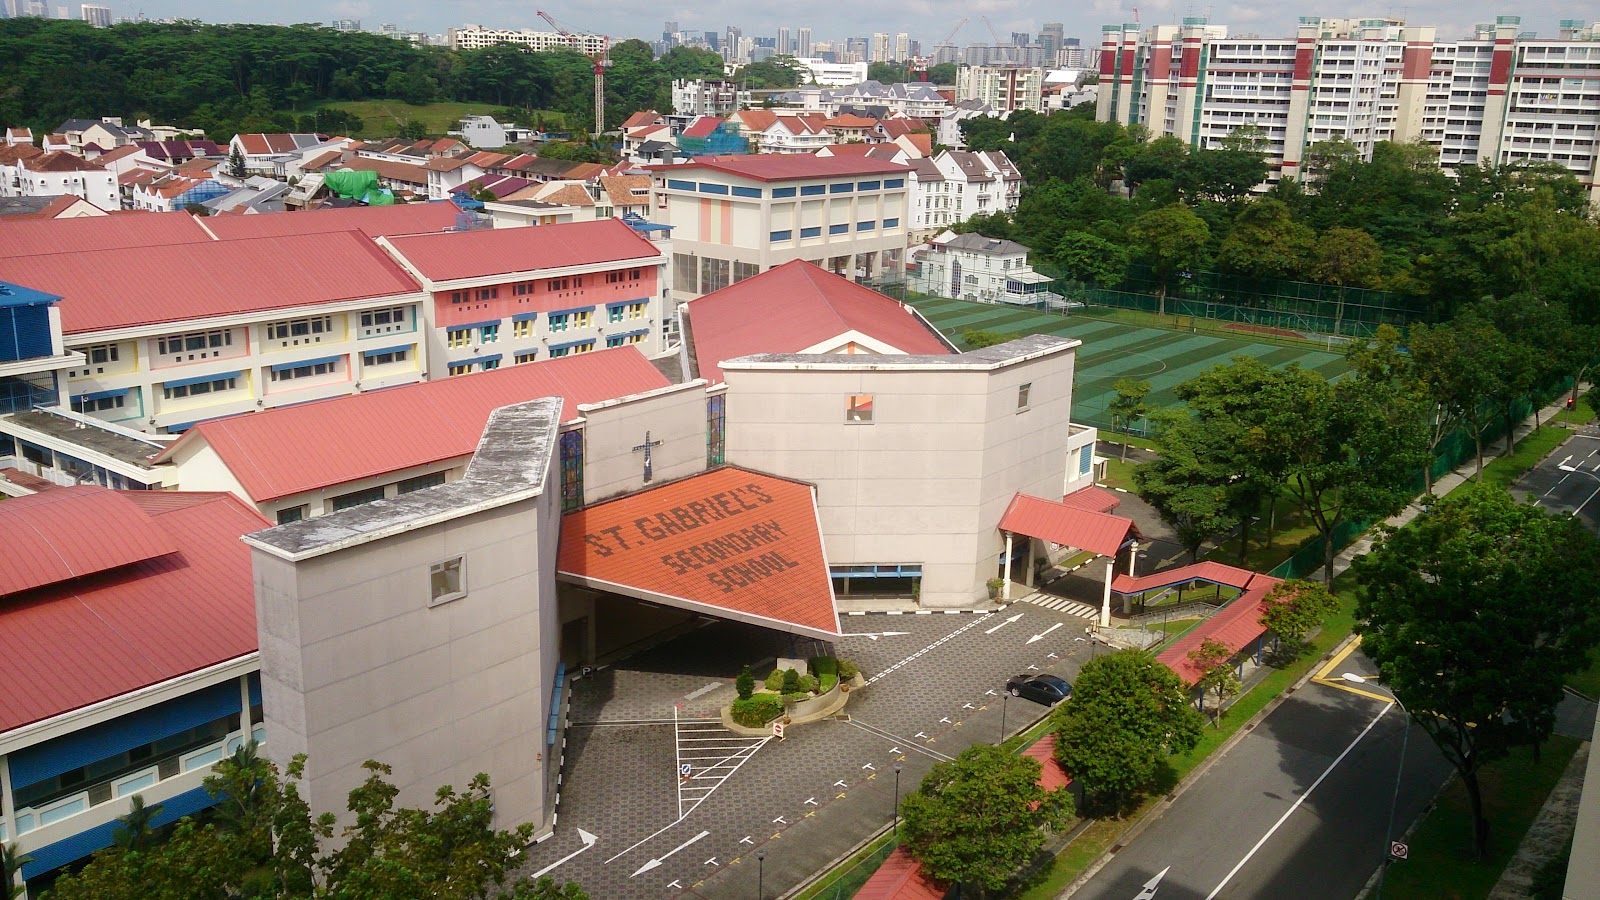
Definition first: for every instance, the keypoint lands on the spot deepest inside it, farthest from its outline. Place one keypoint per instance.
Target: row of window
(489, 333)
(844, 228)
(804, 190)
(193, 341)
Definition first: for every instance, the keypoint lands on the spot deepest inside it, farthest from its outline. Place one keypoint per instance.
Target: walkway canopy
(729, 543)
(1068, 525)
(1235, 626)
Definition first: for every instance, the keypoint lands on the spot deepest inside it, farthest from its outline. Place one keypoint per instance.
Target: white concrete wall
(674, 416)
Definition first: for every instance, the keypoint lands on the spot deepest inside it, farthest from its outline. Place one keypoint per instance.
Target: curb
(928, 612)
(1156, 811)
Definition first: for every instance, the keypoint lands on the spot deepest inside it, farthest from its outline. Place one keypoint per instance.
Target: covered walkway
(1079, 522)
(1236, 626)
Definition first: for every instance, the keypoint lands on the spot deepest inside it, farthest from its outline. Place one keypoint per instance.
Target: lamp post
(897, 768)
(1394, 800)
(1005, 701)
(761, 874)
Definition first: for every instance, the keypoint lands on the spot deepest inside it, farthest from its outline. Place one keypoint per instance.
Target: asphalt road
(1570, 492)
(1298, 808)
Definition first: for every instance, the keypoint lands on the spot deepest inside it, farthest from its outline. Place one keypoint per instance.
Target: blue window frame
(868, 186)
(866, 226)
(783, 192)
(894, 182)
(707, 187)
(811, 190)
(780, 235)
(746, 191)
(843, 187)
(678, 185)
(839, 229)
(891, 223)
(811, 232)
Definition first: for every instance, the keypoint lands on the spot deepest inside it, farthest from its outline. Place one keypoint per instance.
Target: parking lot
(1570, 492)
(935, 685)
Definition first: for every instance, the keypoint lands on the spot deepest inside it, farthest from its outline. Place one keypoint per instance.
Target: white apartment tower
(98, 16)
(1500, 96)
(803, 43)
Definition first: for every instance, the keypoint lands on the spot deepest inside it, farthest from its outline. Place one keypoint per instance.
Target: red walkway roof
(729, 543)
(86, 639)
(372, 221)
(362, 435)
(1235, 626)
(45, 541)
(502, 251)
(794, 306)
(1095, 499)
(1215, 573)
(1069, 526)
(900, 878)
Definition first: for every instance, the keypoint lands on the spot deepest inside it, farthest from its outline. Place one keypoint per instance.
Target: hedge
(757, 711)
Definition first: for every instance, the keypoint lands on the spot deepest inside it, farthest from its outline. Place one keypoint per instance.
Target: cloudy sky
(925, 20)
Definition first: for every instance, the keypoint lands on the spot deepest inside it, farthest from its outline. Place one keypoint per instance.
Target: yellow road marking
(1323, 673)
(1339, 684)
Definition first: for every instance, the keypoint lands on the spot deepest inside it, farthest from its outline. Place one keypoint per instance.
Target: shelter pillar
(1027, 568)
(1105, 603)
(1133, 557)
(1005, 570)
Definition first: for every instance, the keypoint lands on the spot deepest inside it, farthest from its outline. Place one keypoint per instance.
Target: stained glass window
(571, 470)
(716, 430)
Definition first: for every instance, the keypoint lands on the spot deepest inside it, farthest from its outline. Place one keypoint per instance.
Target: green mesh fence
(856, 875)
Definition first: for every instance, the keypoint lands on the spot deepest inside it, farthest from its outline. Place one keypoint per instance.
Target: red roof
(24, 480)
(1051, 775)
(1095, 499)
(363, 435)
(372, 221)
(793, 307)
(730, 543)
(642, 117)
(850, 120)
(146, 285)
(1234, 627)
(1216, 573)
(77, 642)
(702, 127)
(900, 878)
(44, 539)
(1069, 526)
(28, 237)
(500, 251)
(390, 170)
(788, 166)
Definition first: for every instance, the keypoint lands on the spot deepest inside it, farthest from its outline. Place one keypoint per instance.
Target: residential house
(399, 177)
(257, 195)
(949, 131)
(106, 133)
(173, 152)
(846, 128)
(911, 135)
(774, 132)
(636, 136)
(166, 133)
(711, 136)
(485, 133)
(708, 98)
(171, 193)
(619, 195)
(988, 270)
(124, 158)
(54, 174)
(55, 143)
(65, 206)
(270, 154)
(736, 217)
(17, 136)
(915, 99)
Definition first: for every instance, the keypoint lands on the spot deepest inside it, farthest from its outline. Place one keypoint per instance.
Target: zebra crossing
(708, 755)
(1062, 604)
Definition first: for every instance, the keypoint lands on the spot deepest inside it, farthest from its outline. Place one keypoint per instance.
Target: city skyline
(926, 21)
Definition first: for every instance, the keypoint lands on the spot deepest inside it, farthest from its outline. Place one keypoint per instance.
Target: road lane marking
(1296, 805)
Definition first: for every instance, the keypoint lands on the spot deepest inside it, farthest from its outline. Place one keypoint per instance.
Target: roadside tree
(1128, 407)
(1172, 240)
(1295, 608)
(1217, 674)
(1475, 613)
(979, 817)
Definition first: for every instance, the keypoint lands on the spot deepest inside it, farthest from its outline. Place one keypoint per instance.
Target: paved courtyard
(935, 686)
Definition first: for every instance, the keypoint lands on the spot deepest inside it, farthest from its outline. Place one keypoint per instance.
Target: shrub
(808, 684)
(826, 668)
(745, 684)
(796, 697)
(754, 712)
(791, 681)
(847, 670)
(775, 680)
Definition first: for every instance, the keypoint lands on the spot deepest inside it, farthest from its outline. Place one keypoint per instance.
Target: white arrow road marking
(894, 750)
(746, 840)
(1004, 624)
(588, 841)
(1040, 635)
(967, 706)
(840, 783)
(990, 694)
(675, 884)
(1052, 656)
(922, 734)
(874, 635)
(657, 861)
(1149, 891)
(870, 767)
(945, 720)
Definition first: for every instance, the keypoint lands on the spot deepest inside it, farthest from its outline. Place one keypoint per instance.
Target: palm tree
(133, 831)
(11, 863)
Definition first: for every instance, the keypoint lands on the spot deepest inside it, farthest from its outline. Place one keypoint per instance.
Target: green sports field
(1113, 350)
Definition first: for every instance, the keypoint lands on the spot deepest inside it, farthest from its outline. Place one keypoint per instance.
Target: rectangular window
(420, 482)
(377, 317)
(867, 186)
(582, 319)
(178, 392)
(1022, 395)
(614, 313)
(811, 190)
(292, 514)
(866, 226)
(558, 284)
(102, 353)
(522, 329)
(891, 223)
(636, 310)
(458, 337)
(684, 272)
(199, 340)
(781, 235)
(839, 229)
(488, 334)
(677, 185)
(571, 471)
(446, 582)
(525, 356)
(811, 232)
(613, 341)
(713, 274)
(522, 289)
(707, 187)
(716, 430)
(98, 404)
(743, 270)
(299, 328)
(387, 357)
(746, 191)
(783, 192)
(842, 187)
(357, 498)
(859, 408)
(458, 296)
(894, 182)
(558, 322)
(460, 368)
(307, 371)
(488, 293)
(491, 363)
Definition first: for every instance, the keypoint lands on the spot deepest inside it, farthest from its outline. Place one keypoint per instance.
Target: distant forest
(247, 78)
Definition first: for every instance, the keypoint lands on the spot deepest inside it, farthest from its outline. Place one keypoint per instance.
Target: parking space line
(977, 620)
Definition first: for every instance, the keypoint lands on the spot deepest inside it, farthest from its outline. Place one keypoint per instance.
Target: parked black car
(1046, 689)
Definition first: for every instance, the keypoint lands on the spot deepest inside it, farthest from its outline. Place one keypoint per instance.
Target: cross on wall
(649, 471)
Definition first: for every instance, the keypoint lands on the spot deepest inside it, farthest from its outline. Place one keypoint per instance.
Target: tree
(1127, 407)
(1475, 613)
(985, 133)
(745, 684)
(573, 152)
(1172, 240)
(1295, 608)
(236, 167)
(977, 340)
(412, 129)
(690, 63)
(777, 72)
(1187, 482)
(1127, 713)
(976, 819)
(11, 862)
(1089, 257)
(1266, 241)
(1346, 257)
(1217, 676)
(133, 832)
(1454, 364)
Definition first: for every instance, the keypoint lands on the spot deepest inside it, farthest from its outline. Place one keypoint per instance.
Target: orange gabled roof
(1099, 533)
(1214, 572)
(729, 543)
(900, 877)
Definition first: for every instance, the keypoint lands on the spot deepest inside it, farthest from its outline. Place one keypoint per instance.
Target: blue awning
(628, 334)
(306, 362)
(474, 360)
(590, 341)
(493, 357)
(185, 382)
(626, 303)
(470, 325)
(382, 350)
(575, 309)
(525, 317)
(100, 395)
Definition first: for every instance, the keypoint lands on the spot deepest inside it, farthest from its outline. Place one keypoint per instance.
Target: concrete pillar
(1027, 570)
(244, 704)
(1133, 556)
(1105, 602)
(1005, 570)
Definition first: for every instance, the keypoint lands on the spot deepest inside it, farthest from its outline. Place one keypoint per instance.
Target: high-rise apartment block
(783, 44)
(98, 16)
(477, 37)
(1004, 88)
(1500, 96)
(803, 42)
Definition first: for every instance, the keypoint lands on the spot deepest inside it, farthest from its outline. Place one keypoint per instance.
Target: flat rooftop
(120, 447)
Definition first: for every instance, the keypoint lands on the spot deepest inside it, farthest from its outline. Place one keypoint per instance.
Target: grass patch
(1582, 413)
(1587, 682)
(1119, 474)
(1100, 835)
(1504, 470)
(1441, 863)
(1291, 534)
(381, 118)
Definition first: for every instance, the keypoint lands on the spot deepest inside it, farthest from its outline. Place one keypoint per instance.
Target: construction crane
(992, 33)
(601, 60)
(920, 66)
